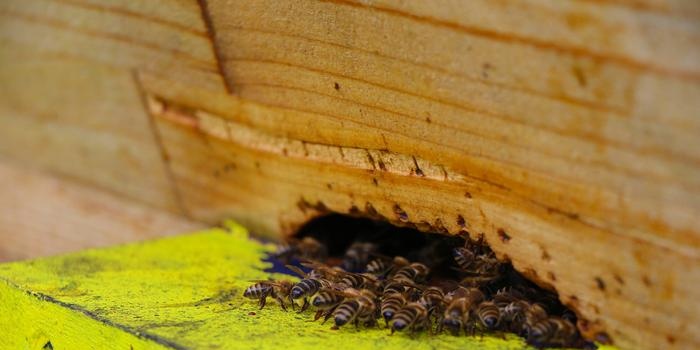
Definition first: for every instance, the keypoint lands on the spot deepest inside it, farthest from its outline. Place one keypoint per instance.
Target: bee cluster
(443, 287)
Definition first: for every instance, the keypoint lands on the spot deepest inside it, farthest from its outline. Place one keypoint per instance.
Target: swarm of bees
(479, 294)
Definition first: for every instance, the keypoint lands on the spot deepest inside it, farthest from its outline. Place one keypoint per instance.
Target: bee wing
(313, 264)
(297, 270)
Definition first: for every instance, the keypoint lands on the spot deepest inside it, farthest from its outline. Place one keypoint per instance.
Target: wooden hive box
(566, 132)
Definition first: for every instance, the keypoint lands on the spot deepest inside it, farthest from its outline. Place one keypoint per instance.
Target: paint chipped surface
(180, 292)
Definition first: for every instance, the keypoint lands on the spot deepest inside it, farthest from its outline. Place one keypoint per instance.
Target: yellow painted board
(183, 292)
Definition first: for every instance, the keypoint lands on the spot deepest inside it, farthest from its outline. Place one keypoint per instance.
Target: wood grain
(46, 215)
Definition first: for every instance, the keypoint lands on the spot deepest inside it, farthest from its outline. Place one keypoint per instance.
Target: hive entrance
(500, 298)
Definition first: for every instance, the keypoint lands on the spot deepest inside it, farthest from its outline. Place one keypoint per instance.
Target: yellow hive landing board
(175, 293)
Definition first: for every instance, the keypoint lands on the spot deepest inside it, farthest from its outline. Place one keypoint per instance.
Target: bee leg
(329, 313)
(263, 300)
(305, 306)
(281, 302)
(374, 322)
(357, 324)
(318, 315)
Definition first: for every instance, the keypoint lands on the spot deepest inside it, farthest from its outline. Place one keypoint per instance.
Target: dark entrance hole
(340, 234)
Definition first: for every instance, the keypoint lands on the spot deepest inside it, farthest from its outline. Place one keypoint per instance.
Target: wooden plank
(162, 36)
(177, 293)
(83, 120)
(622, 165)
(47, 215)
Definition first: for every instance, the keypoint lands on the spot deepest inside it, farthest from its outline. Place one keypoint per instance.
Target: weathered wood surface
(183, 292)
(46, 215)
(569, 126)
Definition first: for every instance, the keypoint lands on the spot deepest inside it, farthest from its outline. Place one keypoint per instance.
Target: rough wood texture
(45, 215)
(569, 126)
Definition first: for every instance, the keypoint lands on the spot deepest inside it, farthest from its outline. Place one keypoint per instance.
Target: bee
(552, 332)
(357, 281)
(489, 315)
(461, 304)
(483, 270)
(285, 251)
(413, 316)
(432, 298)
(311, 249)
(307, 248)
(264, 288)
(479, 263)
(358, 306)
(534, 313)
(414, 272)
(378, 266)
(505, 296)
(464, 258)
(523, 315)
(357, 256)
(310, 284)
(391, 303)
(325, 303)
(383, 266)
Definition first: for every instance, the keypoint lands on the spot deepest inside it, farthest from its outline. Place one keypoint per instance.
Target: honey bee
(533, 313)
(478, 262)
(357, 281)
(552, 332)
(489, 315)
(378, 266)
(309, 285)
(458, 313)
(325, 303)
(505, 296)
(464, 258)
(391, 304)
(264, 288)
(357, 256)
(433, 299)
(311, 249)
(383, 266)
(413, 316)
(285, 251)
(359, 306)
(414, 272)
(307, 248)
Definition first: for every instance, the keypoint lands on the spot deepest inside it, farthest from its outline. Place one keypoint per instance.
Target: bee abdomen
(391, 304)
(489, 314)
(305, 287)
(325, 300)
(407, 316)
(257, 290)
(431, 297)
(377, 266)
(405, 273)
(346, 312)
(541, 331)
(352, 281)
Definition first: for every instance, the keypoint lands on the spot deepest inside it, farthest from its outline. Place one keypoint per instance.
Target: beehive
(566, 132)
